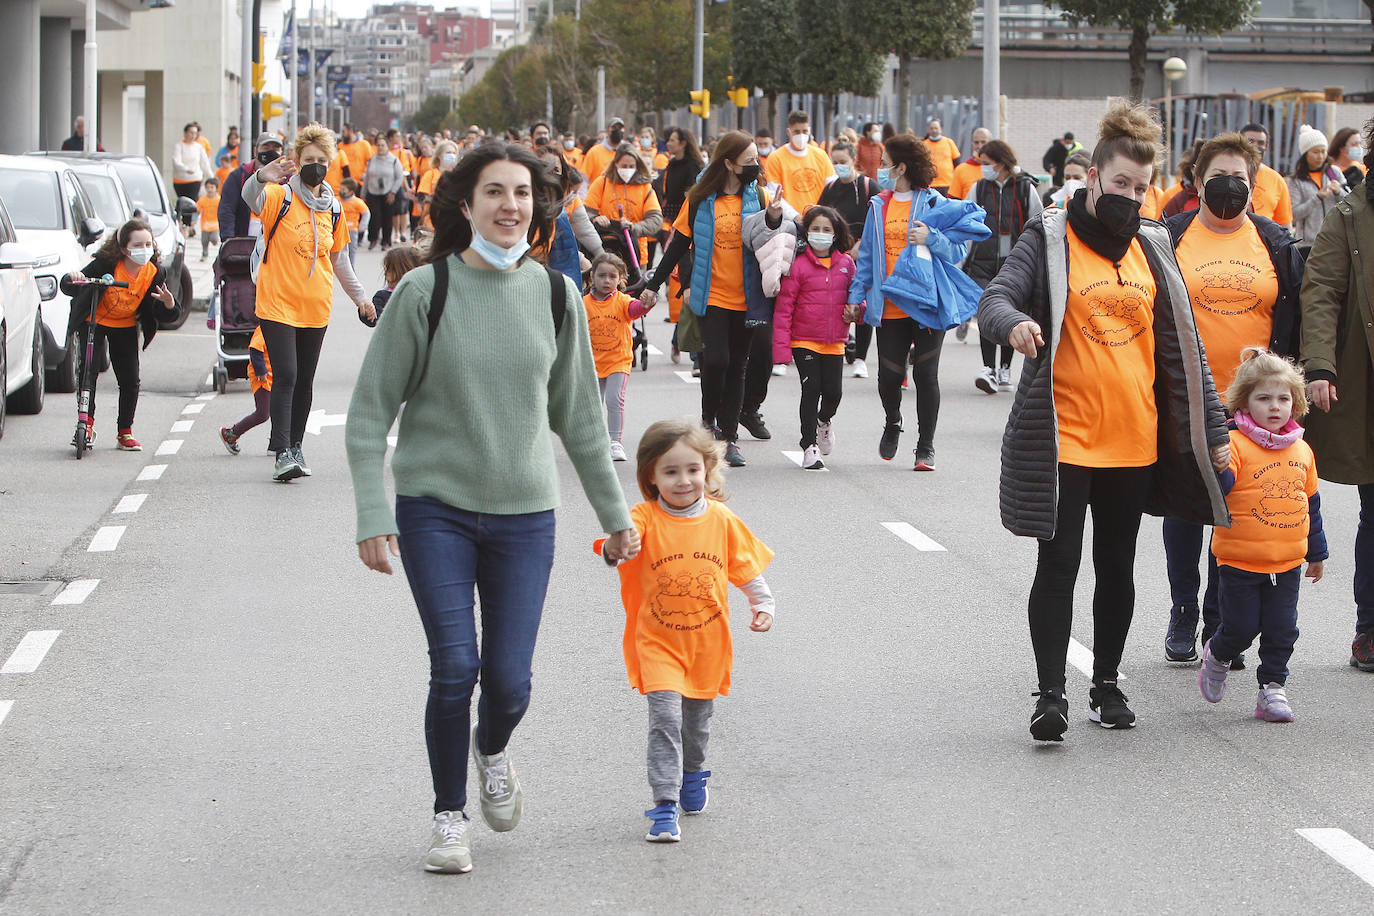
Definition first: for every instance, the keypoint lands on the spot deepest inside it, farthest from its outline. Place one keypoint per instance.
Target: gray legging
(679, 731)
(613, 393)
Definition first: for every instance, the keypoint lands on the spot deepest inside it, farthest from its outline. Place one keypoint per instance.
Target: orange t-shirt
(966, 175)
(205, 145)
(1104, 366)
(1233, 288)
(428, 180)
(677, 601)
(727, 253)
(119, 307)
(296, 281)
(631, 202)
(1270, 197)
(209, 213)
(596, 160)
(254, 380)
(1269, 511)
(1153, 206)
(334, 175)
(802, 177)
(573, 157)
(356, 156)
(353, 210)
(222, 173)
(895, 220)
(608, 322)
(943, 154)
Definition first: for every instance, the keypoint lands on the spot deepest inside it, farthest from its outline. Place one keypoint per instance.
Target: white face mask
(990, 172)
(449, 159)
(820, 241)
(1069, 190)
(799, 141)
(1355, 152)
(646, 143)
(876, 136)
(625, 174)
(140, 256)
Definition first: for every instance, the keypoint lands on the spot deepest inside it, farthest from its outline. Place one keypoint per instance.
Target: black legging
(189, 189)
(294, 354)
(723, 361)
(863, 336)
(1117, 497)
(123, 344)
(760, 369)
(990, 354)
(822, 386)
(896, 337)
(380, 219)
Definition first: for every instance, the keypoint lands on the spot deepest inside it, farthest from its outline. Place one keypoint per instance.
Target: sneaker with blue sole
(663, 823)
(694, 795)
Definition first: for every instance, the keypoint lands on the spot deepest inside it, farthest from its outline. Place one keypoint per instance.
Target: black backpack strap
(439, 297)
(558, 298)
(281, 214)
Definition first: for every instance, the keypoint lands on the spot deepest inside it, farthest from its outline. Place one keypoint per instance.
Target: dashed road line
(796, 458)
(5, 707)
(28, 655)
(182, 426)
(207, 397)
(131, 503)
(686, 376)
(913, 537)
(152, 472)
(168, 447)
(76, 592)
(1354, 856)
(193, 408)
(1081, 657)
(654, 351)
(106, 539)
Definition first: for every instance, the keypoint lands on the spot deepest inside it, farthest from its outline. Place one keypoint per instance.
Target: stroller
(233, 311)
(618, 242)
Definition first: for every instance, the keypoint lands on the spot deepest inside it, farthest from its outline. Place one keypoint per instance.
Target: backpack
(259, 255)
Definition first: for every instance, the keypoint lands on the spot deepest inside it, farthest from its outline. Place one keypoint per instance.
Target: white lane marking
(1355, 856)
(796, 458)
(911, 535)
(392, 440)
(654, 351)
(1081, 657)
(686, 376)
(28, 655)
(182, 426)
(319, 419)
(210, 379)
(152, 472)
(169, 447)
(5, 707)
(76, 592)
(131, 503)
(192, 408)
(107, 538)
(206, 397)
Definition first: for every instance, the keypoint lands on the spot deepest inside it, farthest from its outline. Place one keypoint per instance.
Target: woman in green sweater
(476, 483)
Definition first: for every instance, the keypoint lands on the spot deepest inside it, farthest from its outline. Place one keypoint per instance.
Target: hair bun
(1130, 121)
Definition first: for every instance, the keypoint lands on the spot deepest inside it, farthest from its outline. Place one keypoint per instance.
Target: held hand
(1314, 571)
(1026, 338)
(622, 545)
(1322, 394)
(278, 171)
(391, 198)
(648, 297)
(373, 552)
(1221, 456)
(917, 234)
(367, 310)
(762, 623)
(853, 313)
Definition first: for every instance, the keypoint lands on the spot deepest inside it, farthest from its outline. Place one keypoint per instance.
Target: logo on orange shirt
(1226, 288)
(1114, 321)
(687, 596)
(606, 333)
(310, 246)
(1284, 503)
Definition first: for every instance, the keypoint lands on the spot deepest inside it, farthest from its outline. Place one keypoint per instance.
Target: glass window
(104, 197)
(141, 185)
(76, 202)
(32, 199)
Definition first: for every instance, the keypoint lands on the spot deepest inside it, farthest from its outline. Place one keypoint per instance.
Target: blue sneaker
(695, 795)
(663, 826)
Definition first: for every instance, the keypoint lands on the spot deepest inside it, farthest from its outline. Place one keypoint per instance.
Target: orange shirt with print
(966, 175)
(943, 154)
(353, 210)
(1269, 507)
(631, 202)
(118, 307)
(896, 218)
(1233, 287)
(209, 213)
(677, 601)
(727, 253)
(608, 322)
(356, 156)
(255, 381)
(596, 160)
(1104, 365)
(802, 177)
(296, 279)
(1270, 197)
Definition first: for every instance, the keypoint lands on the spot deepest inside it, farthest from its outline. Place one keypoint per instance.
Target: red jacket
(811, 303)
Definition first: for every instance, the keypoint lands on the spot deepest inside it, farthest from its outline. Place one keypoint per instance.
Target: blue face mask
(495, 255)
(886, 181)
(844, 172)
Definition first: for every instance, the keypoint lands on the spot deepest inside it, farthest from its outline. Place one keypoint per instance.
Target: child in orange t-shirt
(609, 313)
(1271, 490)
(355, 214)
(677, 644)
(260, 377)
(208, 205)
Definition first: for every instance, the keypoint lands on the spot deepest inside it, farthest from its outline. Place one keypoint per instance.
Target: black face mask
(267, 156)
(313, 174)
(748, 174)
(1226, 196)
(1118, 214)
(615, 136)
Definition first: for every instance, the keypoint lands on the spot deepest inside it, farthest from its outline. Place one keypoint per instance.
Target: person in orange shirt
(648, 148)
(445, 160)
(677, 645)
(357, 152)
(1271, 490)
(943, 154)
(260, 378)
(571, 153)
(800, 170)
(598, 158)
(623, 196)
(208, 205)
(355, 214)
(225, 167)
(610, 312)
(1153, 207)
(1270, 197)
(969, 172)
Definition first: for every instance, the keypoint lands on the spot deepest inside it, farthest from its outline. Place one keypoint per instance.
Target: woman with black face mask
(1243, 274)
(1116, 409)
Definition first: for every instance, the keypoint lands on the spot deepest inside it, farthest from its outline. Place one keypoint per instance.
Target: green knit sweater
(476, 425)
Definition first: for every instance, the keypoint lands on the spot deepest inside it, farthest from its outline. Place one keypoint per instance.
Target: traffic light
(701, 103)
(259, 76)
(739, 96)
(271, 106)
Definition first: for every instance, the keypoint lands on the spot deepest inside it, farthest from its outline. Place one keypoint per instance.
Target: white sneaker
(986, 380)
(780, 368)
(617, 452)
(825, 437)
(1004, 379)
(860, 369)
(811, 459)
(449, 852)
(502, 800)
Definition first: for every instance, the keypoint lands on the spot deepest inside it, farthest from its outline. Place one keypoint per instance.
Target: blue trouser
(1364, 562)
(507, 558)
(1258, 604)
(1182, 548)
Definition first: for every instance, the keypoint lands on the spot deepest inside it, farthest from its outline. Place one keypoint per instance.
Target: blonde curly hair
(314, 135)
(1257, 366)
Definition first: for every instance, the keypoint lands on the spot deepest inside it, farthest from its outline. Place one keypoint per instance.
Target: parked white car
(53, 216)
(22, 363)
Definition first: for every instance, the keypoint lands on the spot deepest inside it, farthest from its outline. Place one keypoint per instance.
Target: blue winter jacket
(758, 307)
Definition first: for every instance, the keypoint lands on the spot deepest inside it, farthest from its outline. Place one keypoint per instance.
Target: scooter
(640, 341)
(86, 385)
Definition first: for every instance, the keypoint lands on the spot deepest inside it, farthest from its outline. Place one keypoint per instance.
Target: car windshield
(141, 184)
(103, 193)
(32, 198)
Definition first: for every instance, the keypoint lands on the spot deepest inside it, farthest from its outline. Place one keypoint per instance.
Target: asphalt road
(231, 720)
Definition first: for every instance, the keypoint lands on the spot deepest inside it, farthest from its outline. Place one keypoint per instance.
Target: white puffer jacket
(774, 248)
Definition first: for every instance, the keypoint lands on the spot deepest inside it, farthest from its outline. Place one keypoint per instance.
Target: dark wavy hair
(844, 239)
(453, 232)
(691, 150)
(116, 242)
(904, 149)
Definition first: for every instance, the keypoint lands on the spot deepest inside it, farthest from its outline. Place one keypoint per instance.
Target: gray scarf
(321, 203)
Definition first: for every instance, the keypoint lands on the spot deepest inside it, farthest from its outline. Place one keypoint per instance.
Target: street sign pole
(89, 78)
(248, 128)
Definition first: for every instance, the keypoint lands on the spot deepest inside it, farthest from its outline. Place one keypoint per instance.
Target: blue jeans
(1182, 548)
(1258, 604)
(507, 558)
(1364, 562)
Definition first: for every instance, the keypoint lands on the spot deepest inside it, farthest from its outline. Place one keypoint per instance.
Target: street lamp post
(1174, 68)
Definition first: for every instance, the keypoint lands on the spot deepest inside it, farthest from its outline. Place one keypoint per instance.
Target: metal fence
(1203, 117)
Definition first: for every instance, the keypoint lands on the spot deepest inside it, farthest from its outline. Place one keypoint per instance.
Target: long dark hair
(731, 145)
(116, 242)
(690, 150)
(453, 232)
(568, 177)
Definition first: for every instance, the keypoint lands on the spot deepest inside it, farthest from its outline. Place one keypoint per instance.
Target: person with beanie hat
(1315, 185)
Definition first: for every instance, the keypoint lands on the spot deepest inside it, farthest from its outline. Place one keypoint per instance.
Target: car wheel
(4, 374)
(62, 377)
(183, 300)
(29, 399)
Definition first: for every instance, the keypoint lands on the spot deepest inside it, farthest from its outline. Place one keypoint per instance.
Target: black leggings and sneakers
(898, 337)
(294, 354)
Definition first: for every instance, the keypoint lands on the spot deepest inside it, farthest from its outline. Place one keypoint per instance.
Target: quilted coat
(811, 304)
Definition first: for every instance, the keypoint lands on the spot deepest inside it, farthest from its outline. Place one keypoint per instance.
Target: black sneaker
(925, 458)
(753, 422)
(733, 456)
(1107, 706)
(1051, 717)
(887, 445)
(1362, 651)
(1180, 642)
(286, 468)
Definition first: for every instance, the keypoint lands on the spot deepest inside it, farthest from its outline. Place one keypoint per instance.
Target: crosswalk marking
(193, 408)
(1354, 856)
(152, 472)
(169, 447)
(654, 351)
(107, 538)
(913, 537)
(28, 655)
(76, 592)
(206, 397)
(131, 503)
(796, 458)
(182, 426)
(5, 707)
(686, 376)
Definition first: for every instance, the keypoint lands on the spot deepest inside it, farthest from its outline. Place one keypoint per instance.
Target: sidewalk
(202, 276)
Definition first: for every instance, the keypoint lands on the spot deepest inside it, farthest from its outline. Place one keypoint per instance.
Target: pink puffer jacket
(811, 303)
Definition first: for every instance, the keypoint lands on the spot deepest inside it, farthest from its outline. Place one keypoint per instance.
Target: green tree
(764, 47)
(511, 94)
(431, 113)
(1143, 18)
(831, 60)
(929, 29)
